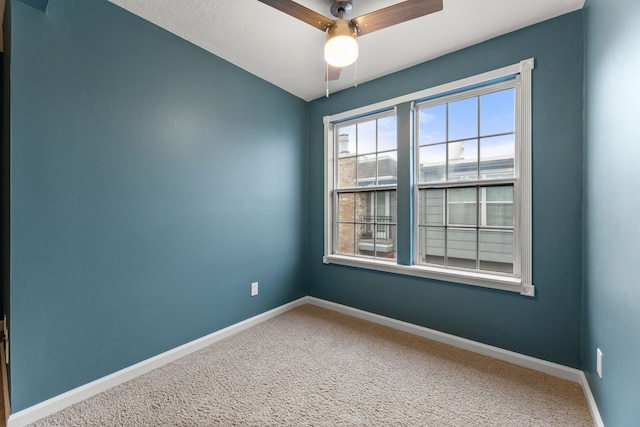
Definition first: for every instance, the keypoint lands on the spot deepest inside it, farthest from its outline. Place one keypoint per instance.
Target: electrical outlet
(254, 289)
(599, 362)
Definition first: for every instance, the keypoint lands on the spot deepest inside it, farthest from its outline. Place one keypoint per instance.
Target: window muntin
(365, 186)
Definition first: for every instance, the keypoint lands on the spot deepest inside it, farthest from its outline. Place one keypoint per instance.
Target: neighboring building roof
(387, 168)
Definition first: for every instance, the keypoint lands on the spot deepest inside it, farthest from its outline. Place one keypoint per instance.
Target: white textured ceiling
(289, 53)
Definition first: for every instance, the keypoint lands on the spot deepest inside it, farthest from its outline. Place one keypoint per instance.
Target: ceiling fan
(341, 47)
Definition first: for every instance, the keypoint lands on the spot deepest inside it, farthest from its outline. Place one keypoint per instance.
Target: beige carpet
(314, 367)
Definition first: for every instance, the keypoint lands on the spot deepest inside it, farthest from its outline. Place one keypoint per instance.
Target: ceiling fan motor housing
(344, 5)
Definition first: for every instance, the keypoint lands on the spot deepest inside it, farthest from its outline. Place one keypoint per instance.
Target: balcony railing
(377, 224)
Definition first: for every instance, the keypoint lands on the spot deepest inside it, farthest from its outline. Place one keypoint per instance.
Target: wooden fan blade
(396, 14)
(300, 12)
(333, 73)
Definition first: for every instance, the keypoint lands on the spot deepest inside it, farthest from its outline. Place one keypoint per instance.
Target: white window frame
(521, 282)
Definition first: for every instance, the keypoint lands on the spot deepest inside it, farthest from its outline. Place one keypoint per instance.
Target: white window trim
(522, 284)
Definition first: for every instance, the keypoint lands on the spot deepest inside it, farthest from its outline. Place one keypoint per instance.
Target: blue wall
(612, 203)
(151, 182)
(547, 326)
(144, 198)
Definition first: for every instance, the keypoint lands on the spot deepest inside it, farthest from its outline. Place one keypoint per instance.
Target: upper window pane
(433, 124)
(388, 168)
(367, 170)
(463, 119)
(497, 157)
(347, 141)
(388, 133)
(367, 137)
(463, 160)
(367, 152)
(433, 161)
(479, 133)
(346, 172)
(497, 112)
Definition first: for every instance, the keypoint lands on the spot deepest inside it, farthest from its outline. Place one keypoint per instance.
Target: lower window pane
(496, 250)
(431, 245)
(499, 215)
(463, 206)
(365, 207)
(376, 240)
(497, 206)
(461, 248)
(346, 240)
(385, 244)
(431, 207)
(386, 206)
(365, 239)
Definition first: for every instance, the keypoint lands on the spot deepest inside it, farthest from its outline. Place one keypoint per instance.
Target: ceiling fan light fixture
(341, 47)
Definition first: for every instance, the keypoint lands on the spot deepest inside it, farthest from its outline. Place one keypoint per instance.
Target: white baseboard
(58, 403)
(591, 402)
(540, 365)
(55, 404)
(557, 370)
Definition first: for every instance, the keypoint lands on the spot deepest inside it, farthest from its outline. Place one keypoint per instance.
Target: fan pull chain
(326, 79)
(355, 75)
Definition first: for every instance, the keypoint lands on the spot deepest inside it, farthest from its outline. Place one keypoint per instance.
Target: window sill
(493, 281)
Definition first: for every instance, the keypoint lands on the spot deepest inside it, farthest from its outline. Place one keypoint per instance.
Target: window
(437, 183)
(466, 177)
(365, 193)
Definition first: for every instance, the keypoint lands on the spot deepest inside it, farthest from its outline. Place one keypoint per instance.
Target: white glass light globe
(341, 48)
